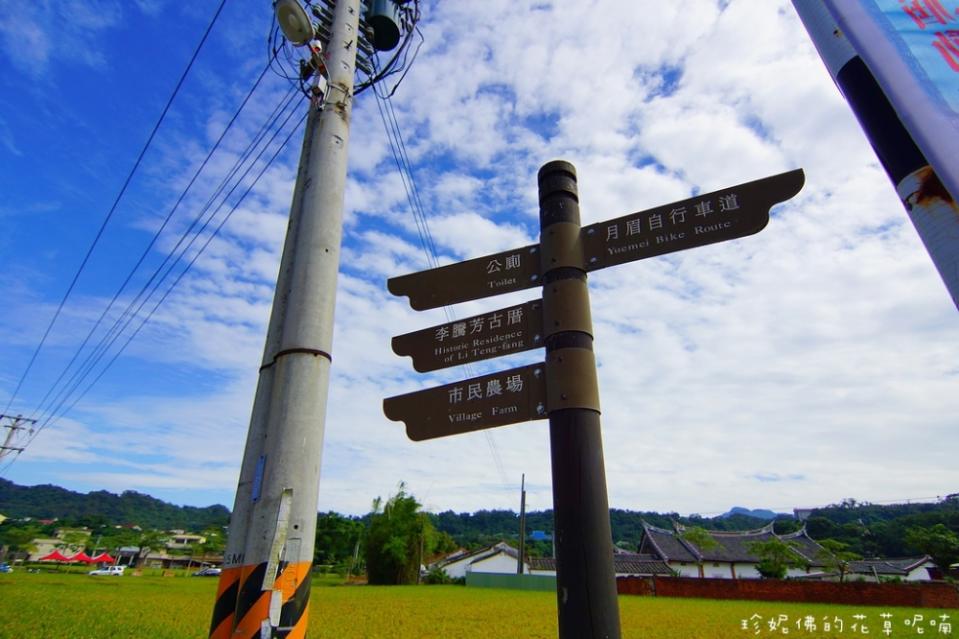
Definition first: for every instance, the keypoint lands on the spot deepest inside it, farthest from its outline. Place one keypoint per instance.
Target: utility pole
(264, 589)
(16, 424)
(522, 526)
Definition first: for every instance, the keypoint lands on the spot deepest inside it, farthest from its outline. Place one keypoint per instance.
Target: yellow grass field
(70, 606)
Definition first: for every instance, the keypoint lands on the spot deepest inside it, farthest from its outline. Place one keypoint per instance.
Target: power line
(153, 284)
(113, 208)
(153, 241)
(16, 424)
(193, 260)
(405, 168)
(150, 287)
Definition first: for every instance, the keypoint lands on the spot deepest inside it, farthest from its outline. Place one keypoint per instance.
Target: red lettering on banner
(947, 44)
(925, 11)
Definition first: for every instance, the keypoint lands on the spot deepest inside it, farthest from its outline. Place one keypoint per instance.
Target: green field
(72, 606)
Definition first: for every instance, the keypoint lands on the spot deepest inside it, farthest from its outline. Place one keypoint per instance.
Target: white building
(731, 557)
(909, 569)
(498, 559)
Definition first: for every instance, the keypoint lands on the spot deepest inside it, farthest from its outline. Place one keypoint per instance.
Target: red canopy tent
(54, 556)
(84, 557)
(104, 558)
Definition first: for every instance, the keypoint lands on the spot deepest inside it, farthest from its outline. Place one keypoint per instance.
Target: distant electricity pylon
(16, 424)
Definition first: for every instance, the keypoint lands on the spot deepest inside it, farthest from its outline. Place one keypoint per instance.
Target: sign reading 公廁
(474, 279)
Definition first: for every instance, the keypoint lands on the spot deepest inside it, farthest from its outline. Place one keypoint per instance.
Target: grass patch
(72, 606)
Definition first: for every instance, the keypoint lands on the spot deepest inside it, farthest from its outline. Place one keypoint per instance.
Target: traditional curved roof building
(731, 556)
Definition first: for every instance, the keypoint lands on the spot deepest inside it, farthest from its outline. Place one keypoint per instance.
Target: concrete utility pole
(264, 589)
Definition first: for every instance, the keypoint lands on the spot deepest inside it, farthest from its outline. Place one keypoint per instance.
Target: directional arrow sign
(726, 214)
(503, 332)
(474, 279)
(722, 215)
(508, 397)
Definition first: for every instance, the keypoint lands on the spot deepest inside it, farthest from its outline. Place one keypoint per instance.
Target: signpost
(503, 332)
(508, 397)
(474, 279)
(564, 387)
(722, 215)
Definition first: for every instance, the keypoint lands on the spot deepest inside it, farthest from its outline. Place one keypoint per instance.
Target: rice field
(70, 606)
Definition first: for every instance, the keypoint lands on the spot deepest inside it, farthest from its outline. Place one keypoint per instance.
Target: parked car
(208, 572)
(6, 568)
(115, 571)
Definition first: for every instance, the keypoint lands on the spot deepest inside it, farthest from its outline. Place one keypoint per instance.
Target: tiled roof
(897, 567)
(542, 563)
(478, 555)
(731, 546)
(666, 545)
(628, 564)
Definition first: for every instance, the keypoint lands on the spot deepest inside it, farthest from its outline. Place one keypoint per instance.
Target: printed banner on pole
(912, 48)
(908, 50)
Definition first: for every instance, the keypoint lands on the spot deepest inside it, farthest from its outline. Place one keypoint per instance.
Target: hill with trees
(858, 528)
(100, 507)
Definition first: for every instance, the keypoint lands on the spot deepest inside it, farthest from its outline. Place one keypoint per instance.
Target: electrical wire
(113, 208)
(153, 241)
(278, 49)
(405, 169)
(399, 62)
(153, 284)
(192, 261)
(105, 341)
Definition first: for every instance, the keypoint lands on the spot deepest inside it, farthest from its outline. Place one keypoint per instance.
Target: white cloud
(808, 363)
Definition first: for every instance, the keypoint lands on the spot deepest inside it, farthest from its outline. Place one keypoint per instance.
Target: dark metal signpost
(563, 388)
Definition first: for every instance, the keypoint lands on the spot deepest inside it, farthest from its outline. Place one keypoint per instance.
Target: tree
(17, 539)
(776, 557)
(399, 536)
(336, 539)
(214, 542)
(700, 537)
(938, 542)
(149, 540)
(836, 556)
(73, 540)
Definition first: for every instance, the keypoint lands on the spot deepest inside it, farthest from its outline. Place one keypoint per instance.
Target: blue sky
(811, 362)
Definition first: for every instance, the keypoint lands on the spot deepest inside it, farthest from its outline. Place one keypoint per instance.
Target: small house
(499, 558)
(906, 569)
